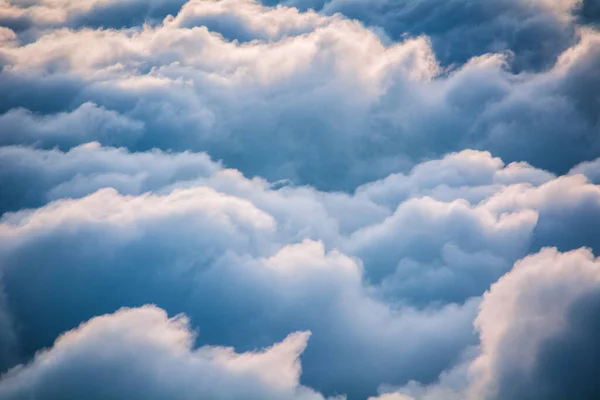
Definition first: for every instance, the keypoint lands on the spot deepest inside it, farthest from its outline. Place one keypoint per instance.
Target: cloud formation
(392, 270)
(534, 31)
(414, 185)
(532, 323)
(32, 15)
(216, 258)
(295, 95)
(141, 353)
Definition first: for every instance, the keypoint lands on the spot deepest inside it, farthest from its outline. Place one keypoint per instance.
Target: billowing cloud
(141, 353)
(534, 31)
(537, 326)
(33, 15)
(313, 98)
(416, 184)
(535, 321)
(219, 247)
(215, 257)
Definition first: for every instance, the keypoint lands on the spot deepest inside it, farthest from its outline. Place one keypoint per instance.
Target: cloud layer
(189, 190)
(297, 95)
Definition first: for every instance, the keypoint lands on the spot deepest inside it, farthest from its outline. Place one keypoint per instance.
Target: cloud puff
(387, 223)
(85, 124)
(537, 319)
(141, 352)
(247, 20)
(537, 326)
(590, 169)
(317, 99)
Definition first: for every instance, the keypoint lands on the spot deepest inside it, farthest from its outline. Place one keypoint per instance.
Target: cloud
(534, 322)
(534, 31)
(26, 15)
(404, 243)
(35, 177)
(141, 352)
(321, 100)
(215, 257)
(247, 20)
(387, 223)
(66, 130)
(590, 169)
(470, 175)
(413, 183)
(377, 272)
(433, 248)
(567, 208)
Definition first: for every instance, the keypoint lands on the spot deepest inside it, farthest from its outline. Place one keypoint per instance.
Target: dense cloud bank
(315, 98)
(393, 272)
(234, 200)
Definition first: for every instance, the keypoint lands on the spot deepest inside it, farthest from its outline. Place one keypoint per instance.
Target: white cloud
(537, 326)
(219, 259)
(366, 176)
(523, 309)
(141, 352)
(321, 100)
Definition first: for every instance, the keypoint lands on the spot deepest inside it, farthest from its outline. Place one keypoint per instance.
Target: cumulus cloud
(534, 31)
(247, 20)
(314, 98)
(536, 320)
(220, 247)
(141, 353)
(87, 123)
(537, 326)
(388, 223)
(215, 257)
(590, 169)
(413, 183)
